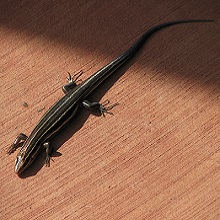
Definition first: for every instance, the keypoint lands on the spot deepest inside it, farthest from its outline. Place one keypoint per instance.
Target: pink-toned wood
(158, 156)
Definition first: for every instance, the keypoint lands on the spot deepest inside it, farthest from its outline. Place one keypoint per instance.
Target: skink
(64, 109)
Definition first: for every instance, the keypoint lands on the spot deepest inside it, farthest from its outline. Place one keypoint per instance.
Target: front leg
(102, 107)
(48, 150)
(20, 139)
(72, 80)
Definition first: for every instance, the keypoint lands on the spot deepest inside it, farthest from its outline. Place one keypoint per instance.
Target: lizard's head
(19, 164)
(22, 162)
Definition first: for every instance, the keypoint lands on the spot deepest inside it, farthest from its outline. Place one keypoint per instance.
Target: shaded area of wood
(158, 156)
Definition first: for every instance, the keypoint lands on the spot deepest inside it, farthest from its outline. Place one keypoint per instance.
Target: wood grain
(158, 156)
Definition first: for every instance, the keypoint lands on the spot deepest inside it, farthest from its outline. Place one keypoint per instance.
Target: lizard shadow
(78, 121)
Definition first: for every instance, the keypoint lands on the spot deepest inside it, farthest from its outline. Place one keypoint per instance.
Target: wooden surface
(158, 156)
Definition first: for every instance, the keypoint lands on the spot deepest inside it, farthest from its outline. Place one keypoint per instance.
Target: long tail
(94, 80)
(134, 48)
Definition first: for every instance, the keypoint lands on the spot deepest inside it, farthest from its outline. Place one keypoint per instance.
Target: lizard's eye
(18, 159)
(20, 154)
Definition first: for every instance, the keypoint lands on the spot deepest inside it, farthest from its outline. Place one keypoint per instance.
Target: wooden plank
(158, 156)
